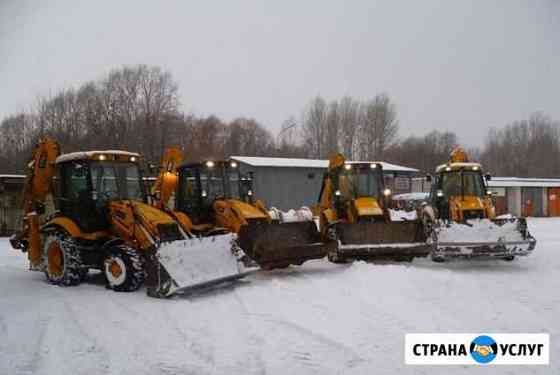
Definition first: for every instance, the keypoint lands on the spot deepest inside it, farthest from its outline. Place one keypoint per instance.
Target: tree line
(137, 108)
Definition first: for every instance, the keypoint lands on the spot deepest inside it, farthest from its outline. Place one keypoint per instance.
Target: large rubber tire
(63, 265)
(124, 269)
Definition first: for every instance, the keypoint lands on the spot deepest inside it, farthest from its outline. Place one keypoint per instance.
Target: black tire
(123, 268)
(437, 258)
(63, 265)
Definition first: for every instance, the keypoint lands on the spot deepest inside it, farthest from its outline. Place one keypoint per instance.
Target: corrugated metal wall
(532, 201)
(286, 188)
(514, 200)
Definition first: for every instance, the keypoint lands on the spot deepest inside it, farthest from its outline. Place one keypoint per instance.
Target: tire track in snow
(256, 342)
(38, 348)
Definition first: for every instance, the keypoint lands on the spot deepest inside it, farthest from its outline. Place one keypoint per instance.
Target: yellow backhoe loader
(88, 210)
(215, 197)
(354, 205)
(460, 218)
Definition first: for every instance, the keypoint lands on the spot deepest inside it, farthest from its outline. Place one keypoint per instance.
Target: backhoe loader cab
(460, 219)
(202, 185)
(459, 192)
(360, 194)
(355, 215)
(87, 183)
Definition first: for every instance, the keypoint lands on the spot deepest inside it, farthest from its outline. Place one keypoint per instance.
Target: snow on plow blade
(279, 245)
(380, 240)
(501, 238)
(189, 264)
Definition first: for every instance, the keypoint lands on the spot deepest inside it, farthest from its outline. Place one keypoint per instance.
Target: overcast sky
(449, 65)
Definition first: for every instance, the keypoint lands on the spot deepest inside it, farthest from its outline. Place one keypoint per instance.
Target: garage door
(531, 200)
(554, 201)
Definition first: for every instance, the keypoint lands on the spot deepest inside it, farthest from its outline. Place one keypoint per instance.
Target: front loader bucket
(499, 238)
(280, 245)
(190, 264)
(381, 240)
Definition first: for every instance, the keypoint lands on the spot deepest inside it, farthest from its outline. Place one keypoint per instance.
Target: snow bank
(480, 230)
(301, 214)
(401, 215)
(411, 196)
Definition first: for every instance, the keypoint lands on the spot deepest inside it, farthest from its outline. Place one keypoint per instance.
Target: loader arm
(37, 187)
(166, 182)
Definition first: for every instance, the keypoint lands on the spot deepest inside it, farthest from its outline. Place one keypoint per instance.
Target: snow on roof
(87, 154)
(457, 166)
(12, 176)
(418, 196)
(523, 182)
(308, 163)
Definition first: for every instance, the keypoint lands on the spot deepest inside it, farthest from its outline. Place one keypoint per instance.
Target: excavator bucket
(499, 238)
(278, 245)
(380, 240)
(180, 266)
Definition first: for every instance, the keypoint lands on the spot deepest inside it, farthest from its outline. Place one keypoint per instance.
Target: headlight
(250, 192)
(439, 193)
(204, 194)
(347, 167)
(133, 159)
(387, 192)
(373, 165)
(448, 169)
(337, 193)
(210, 164)
(102, 157)
(233, 164)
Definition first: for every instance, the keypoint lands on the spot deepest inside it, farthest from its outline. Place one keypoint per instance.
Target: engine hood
(247, 211)
(151, 214)
(367, 207)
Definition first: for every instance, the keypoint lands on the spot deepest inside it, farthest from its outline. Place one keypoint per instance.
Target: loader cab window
(190, 193)
(114, 181)
(234, 183)
(459, 183)
(212, 179)
(75, 182)
(360, 182)
(75, 196)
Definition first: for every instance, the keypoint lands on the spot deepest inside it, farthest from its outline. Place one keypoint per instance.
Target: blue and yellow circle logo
(484, 349)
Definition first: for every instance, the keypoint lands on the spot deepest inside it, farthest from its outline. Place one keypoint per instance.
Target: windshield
(359, 182)
(471, 184)
(212, 182)
(116, 181)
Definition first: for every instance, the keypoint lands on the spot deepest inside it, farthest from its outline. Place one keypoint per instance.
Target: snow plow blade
(184, 265)
(499, 238)
(380, 240)
(280, 245)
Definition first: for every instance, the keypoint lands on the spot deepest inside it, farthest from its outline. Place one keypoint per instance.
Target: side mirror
(428, 178)
(487, 176)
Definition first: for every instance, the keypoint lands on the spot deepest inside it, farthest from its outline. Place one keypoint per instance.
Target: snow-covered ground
(319, 318)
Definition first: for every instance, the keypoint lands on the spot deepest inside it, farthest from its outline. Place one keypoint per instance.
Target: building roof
(81, 155)
(523, 182)
(309, 163)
